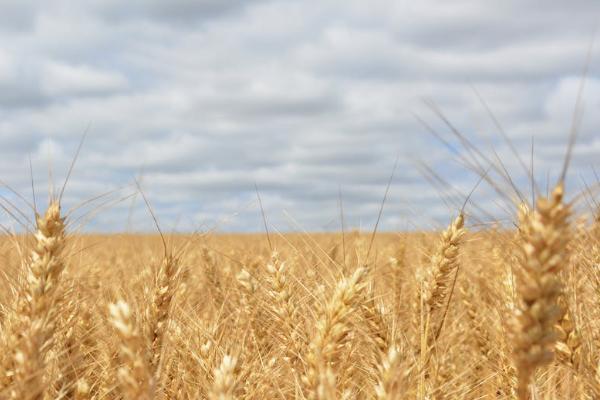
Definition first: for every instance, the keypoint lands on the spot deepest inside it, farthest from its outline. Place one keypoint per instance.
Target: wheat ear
(134, 375)
(332, 328)
(225, 380)
(36, 309)
(160, 308)
(387, 371)
(543, 253)
(284, 308)
(445, 263)
(568, 344)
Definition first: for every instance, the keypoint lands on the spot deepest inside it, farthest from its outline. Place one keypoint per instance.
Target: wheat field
(462, 313)
(430, 172)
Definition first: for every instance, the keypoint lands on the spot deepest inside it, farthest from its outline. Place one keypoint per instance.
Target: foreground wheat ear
(37, 309)
(224, 383)
(445, 263)
(332, 329)
(134, 375)
(159, 309)
(544, 236)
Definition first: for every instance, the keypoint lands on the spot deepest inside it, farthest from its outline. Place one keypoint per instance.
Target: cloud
(16, 15)
(201, 100)
(59, 79)
(173, 12)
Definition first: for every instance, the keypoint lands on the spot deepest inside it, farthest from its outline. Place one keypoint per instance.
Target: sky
(203, 102)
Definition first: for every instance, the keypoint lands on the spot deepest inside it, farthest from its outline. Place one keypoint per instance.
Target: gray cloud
(16, 16)
(172, 12)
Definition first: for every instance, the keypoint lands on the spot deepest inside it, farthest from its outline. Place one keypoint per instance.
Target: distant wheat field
(456, 314)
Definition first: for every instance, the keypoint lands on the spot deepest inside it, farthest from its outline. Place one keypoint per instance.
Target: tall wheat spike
(224, 383)
(159, 309)
(284, 308)
(134, 376)
(543, 253)
(445, 263)
(332, 327)
(37, 310)
(387, 374)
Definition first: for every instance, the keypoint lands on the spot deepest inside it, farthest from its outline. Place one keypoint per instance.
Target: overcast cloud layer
(201, 100)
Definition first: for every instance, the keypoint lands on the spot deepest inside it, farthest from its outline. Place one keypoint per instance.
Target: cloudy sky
(201, 100)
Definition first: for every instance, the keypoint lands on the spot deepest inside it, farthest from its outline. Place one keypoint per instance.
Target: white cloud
(59, 79)
(208, 98)
(7, 67)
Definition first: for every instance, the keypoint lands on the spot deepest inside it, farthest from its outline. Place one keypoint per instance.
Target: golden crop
(458, 314)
